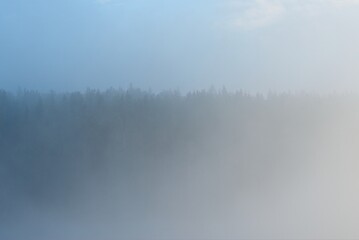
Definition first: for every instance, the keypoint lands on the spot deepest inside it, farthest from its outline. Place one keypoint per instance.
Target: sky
(254, 45)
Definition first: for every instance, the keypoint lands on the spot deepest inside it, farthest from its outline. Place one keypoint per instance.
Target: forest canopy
(142, 154)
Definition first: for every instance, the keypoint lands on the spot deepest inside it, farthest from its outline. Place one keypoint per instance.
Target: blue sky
(256, 45)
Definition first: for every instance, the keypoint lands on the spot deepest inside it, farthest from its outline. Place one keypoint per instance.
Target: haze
(179, 119)
(256, 45)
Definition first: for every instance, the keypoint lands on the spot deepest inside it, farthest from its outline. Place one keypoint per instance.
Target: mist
(131, 164)
(255, 45)
(240, 119)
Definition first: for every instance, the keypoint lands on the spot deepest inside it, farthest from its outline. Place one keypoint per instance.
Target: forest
(172, 164)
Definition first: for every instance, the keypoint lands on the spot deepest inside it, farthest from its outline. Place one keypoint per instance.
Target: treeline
(52, 145)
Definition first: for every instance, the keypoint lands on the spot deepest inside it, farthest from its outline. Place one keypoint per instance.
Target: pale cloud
(261, 13)
(342, 3)
(250, 14)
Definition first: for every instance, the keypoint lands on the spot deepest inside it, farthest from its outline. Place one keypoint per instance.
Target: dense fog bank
(130, 164)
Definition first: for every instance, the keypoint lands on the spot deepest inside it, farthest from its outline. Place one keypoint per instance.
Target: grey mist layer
(130, 164)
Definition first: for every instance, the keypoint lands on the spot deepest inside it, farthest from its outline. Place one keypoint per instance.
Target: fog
(277, 160)
(131, 164)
